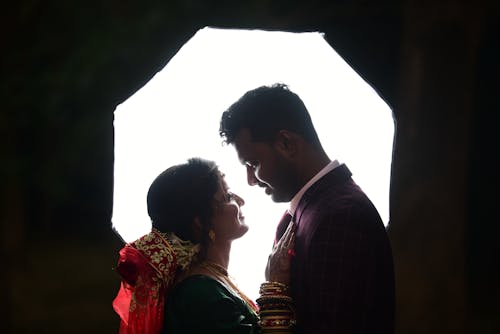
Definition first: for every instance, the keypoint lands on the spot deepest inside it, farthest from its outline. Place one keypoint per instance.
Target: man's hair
(265, 111)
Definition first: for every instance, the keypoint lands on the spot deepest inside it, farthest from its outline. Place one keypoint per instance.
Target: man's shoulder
(332, 195)
(338, 203)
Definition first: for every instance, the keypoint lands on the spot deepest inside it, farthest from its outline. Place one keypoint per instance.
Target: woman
(175, 278)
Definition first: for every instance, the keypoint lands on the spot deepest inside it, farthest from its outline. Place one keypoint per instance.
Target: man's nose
(251, 179)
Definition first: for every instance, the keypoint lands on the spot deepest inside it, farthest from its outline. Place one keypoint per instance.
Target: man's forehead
(244, 136)
(243, 144)
(242, 156)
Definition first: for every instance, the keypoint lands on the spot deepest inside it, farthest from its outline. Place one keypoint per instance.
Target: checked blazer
(342, 275)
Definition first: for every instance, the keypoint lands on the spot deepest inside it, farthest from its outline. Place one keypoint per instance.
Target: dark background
(65, 65)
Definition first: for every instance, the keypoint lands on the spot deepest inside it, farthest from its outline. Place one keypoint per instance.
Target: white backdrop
(176, 116)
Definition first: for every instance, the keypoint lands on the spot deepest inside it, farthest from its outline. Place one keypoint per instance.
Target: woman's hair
(265, 111)
(180, 194)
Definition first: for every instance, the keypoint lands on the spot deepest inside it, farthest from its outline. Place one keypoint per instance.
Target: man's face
(266, 166)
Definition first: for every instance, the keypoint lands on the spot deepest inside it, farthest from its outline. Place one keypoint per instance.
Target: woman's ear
(197, 229)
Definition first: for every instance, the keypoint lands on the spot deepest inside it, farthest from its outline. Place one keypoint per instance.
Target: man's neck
(296, 199)
(313, 164)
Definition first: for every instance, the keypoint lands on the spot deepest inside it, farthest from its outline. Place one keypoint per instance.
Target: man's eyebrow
(242, 160)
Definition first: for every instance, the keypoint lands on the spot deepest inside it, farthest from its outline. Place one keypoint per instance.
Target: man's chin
(276, 198)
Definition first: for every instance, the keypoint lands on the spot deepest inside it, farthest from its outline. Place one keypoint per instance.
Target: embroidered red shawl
(147, 267)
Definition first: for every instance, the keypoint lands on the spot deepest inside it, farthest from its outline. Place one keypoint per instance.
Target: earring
(211, 235)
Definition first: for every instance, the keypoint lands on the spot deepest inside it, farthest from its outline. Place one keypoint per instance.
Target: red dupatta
(147, 267)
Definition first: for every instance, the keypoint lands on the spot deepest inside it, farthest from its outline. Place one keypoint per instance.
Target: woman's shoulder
(199, 288)
(201, 304)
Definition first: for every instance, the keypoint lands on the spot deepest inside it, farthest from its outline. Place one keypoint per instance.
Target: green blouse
(200, 304)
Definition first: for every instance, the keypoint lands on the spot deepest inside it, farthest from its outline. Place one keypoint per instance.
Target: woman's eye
(229, 196)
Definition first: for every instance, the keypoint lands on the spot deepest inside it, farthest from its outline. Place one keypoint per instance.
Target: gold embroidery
(159, 252)
(161, 257)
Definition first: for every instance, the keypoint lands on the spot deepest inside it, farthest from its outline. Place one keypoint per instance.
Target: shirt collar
(298, 196)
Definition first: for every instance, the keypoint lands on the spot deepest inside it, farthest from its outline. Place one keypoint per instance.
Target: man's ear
(286, 143)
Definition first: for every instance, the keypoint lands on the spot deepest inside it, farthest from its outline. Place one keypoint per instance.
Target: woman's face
(228, 221)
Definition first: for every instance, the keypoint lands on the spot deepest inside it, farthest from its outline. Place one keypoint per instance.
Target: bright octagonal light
(176, 116)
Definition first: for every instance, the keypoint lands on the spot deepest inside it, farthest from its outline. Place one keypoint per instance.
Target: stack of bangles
(275, 308)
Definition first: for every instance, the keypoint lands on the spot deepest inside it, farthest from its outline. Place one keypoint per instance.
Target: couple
(330, 269)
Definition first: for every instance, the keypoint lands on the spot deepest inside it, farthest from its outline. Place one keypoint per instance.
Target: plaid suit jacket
(342, 276)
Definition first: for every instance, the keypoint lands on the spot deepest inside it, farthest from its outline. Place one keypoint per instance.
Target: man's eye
(252, 164)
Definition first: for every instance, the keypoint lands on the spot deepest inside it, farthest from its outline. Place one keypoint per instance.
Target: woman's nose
(239, 200)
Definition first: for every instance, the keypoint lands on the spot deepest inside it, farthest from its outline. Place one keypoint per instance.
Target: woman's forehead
(222, 181)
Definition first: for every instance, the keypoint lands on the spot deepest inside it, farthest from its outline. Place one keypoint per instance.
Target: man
(342, 276)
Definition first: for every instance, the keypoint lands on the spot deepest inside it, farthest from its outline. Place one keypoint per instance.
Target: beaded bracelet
(276, 313)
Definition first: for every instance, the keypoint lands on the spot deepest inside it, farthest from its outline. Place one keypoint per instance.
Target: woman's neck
(219, 254)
